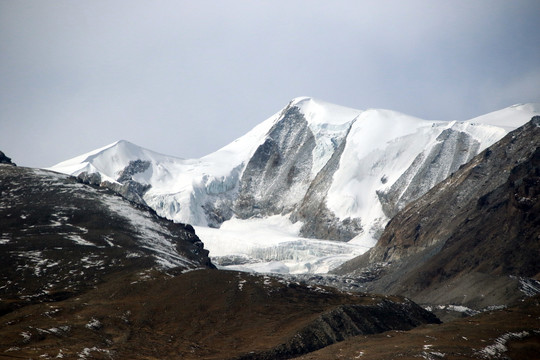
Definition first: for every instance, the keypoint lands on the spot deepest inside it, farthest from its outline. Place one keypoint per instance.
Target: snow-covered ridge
(347, 169)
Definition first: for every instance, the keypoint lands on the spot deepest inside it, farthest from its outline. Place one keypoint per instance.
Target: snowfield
(272, 245)
(339, 163)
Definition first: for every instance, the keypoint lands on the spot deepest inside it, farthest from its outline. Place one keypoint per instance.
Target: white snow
(79, 240)
(86, 352)
(275, 246)
(329, 124)
(26, 336)
(151, 234)
(241, 284)
(511, 117)
(384, 143)
(381, 144)
(93, 324)
(495, 350)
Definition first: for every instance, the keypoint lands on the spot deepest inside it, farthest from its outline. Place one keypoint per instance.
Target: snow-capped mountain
(472, 240)
(314, 170)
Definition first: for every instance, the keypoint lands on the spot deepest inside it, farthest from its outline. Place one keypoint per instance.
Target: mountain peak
(340, 173)
(510, 117)
(299, 99)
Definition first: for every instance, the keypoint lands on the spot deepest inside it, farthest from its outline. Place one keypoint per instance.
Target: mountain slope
(339, 173)
(59, 237)
(474, 238)
(205, 314)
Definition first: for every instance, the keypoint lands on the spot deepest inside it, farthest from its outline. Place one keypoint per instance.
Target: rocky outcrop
(346, 321)
(278, 174)
(473, 238)
(509, 333)
(130, 190)
(318, 221)
(126, 186)
(90, 178)
(278, 179)
(5, 160)
(134, 167)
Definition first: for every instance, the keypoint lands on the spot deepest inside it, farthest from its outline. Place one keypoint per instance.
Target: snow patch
(87, 352)
(4, 239)
(496, 350)
(93, 324)
(459, 308)
(79, 240)
(241, 284)
(151, 235)
(529, 287)
(26, 336)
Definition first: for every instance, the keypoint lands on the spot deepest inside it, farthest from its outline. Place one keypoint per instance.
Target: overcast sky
(185, 78)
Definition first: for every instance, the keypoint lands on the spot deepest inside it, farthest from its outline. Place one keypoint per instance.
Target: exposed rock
(277, 175)
(130, 190)
(346, 321)
(277, 180)
(90, 179)
(5, 160)
(507, 333)
(341, 172)
(134, 167)
(126, 186)
(218, 211)
(319, 221)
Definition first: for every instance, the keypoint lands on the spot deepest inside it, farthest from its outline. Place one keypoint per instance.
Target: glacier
(307, 189)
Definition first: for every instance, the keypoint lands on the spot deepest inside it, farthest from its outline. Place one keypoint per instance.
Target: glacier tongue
(272, 244)
(327, 172)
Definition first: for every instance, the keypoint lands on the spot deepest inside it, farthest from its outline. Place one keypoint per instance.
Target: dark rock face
(277, 180)
(496, 334)
(130, 190)
(347, 321)
(319, 221)
(277, 175)
(461, 242)
(134, 167)
(90, 179)
(127, 187)
(5, 160)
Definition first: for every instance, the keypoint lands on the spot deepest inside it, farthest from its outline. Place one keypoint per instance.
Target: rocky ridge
(59, 237)
(472, 240)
